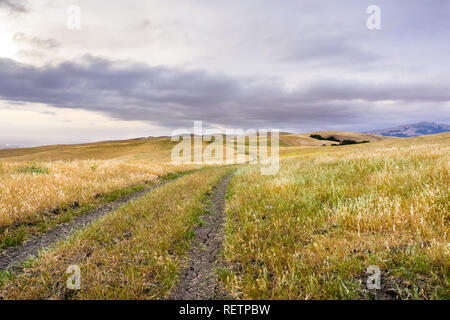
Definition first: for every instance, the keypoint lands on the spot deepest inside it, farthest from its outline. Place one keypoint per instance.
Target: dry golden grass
(304, 140)
(29, 190)
(311, 231)
(153, 149)
(135, 252)
(37, 181)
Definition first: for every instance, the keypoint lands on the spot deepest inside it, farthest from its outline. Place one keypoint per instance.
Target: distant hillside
(414, 129)
(153, 149)
(306, 139)
(9, 146)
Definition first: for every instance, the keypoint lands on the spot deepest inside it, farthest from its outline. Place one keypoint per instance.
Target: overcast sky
(146, 67)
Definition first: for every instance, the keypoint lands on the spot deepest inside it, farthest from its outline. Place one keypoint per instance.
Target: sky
(147, 67)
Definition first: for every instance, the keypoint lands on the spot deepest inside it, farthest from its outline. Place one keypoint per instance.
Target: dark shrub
(317, 136)
(345, 142)
(333, 139)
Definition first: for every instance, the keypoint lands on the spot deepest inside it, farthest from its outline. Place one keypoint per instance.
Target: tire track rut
(13, 258)
(198, 279)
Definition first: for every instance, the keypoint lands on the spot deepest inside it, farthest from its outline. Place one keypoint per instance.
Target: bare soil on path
(199, 280)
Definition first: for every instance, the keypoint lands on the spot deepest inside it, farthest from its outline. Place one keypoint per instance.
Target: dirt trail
(198, 279)
(13, 258)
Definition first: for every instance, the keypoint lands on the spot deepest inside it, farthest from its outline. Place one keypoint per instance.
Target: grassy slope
(306, 140)
(311, 231)
(155, 149)
(133, 253)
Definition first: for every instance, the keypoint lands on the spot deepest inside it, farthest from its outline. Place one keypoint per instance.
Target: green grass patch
(33, 169)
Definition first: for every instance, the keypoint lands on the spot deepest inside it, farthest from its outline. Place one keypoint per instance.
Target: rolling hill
(305, 139)
(157, 148)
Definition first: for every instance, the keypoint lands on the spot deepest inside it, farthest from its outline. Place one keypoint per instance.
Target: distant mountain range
(413, 130)
(10, 146)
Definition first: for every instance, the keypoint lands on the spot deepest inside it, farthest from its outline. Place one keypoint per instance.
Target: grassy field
(37, 182)
(311, 231)
(133, 253)
(37, 193)
(31, 189)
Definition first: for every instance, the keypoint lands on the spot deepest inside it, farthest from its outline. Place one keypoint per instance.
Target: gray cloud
(173, 97)
(14, 5)
(45, 44)
(298, 66)
(328, 50)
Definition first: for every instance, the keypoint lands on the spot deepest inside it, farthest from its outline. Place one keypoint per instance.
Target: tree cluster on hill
(341, 143)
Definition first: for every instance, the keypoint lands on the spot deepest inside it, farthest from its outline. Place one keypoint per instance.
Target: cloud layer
(173, 97)
(13, 5)
(298, 66)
